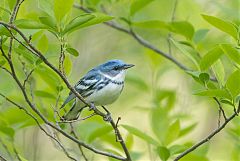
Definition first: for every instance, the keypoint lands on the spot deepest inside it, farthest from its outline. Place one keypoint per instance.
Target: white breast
(110, 93)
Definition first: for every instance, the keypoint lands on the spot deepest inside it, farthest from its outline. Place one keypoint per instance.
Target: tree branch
(139, 39)
(220, 108)
(2, 158)
(39, 125)
(207, 138)
(79, 146)
(40, 55)
(6, 149)
(142, 41)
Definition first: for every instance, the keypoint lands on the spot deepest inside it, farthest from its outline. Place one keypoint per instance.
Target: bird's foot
(107, 117)
(92, 107)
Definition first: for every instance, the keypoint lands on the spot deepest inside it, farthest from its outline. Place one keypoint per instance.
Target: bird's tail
(73, 113)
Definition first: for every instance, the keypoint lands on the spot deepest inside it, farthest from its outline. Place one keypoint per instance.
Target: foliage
(159, 128)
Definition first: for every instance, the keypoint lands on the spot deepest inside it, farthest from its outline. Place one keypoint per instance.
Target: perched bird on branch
(101, 86)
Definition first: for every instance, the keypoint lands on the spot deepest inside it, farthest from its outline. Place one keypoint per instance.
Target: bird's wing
(85, 86)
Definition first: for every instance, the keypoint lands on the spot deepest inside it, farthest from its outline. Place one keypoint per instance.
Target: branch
(139, 39)
(79, 146)
(43, 58)
(220, 108)
(118, 134)
(39, 125)
(142, 41)
(16, 152)
(62, 56)
(6, 149)
(2, 158)
(207, 138)
(12, 18)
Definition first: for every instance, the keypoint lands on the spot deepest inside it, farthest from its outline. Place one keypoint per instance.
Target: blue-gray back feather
(85, 86)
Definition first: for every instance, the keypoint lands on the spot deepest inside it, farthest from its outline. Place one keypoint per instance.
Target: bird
(101, 86)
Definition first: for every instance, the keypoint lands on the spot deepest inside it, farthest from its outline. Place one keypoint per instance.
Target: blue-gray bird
(101, 86)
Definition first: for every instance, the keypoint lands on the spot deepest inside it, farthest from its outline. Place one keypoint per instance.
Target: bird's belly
(106, 95)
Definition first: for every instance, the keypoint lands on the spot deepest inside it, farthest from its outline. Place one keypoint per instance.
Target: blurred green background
(158, 98)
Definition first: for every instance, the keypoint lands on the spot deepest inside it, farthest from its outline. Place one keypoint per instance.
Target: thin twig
(220, 108)
(16, 153)
(39, 125)
(43, 58)
(62, 57)
(205, 139)
(6, 70)
(79, 146)
(77, 120)
(139, 39)
(169, 34)
(6, 149)
(12, 18)
(142, 41)
(27, 77)
(119, 136)
(2, 158)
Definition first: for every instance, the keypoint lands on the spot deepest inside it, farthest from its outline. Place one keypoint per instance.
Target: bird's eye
(115, 68)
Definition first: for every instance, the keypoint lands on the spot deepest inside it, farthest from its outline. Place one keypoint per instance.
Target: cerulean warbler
(101, 86)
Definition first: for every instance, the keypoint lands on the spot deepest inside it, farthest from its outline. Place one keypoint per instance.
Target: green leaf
(72, 51)
(152, 24)
(140, 134)
(163, 153)
(98, 18)
(137, 81)
(22, 158)
(175, 149)
(204, 77)
(49, 77)
(98, 133)
(190, 55)
(186, 130)
(199, 35)
(137, 5)
(194, 157)
(129, 141)
(226, 102)
(211, 57)
(233, 83)
(42, 44)
(183, 28)
(62, 8)
(49, 21)
(219, 72)
(6, 129)
(26, 54)
(173, 132)
(222, 93)
(222, 25)
(46, 6)
(11, 4)
(44, 94)
(4, 31)
(2, 62)
(231, 52)
(159, 122)
(76, 23)
(29, 24)
(179, 27)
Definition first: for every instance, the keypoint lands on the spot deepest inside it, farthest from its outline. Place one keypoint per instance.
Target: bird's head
(114, 67)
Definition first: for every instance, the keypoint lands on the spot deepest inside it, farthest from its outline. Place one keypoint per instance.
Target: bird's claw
(92, 107)
(107, 117)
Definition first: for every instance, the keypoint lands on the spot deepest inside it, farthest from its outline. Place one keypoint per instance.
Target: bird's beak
(126, 66)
